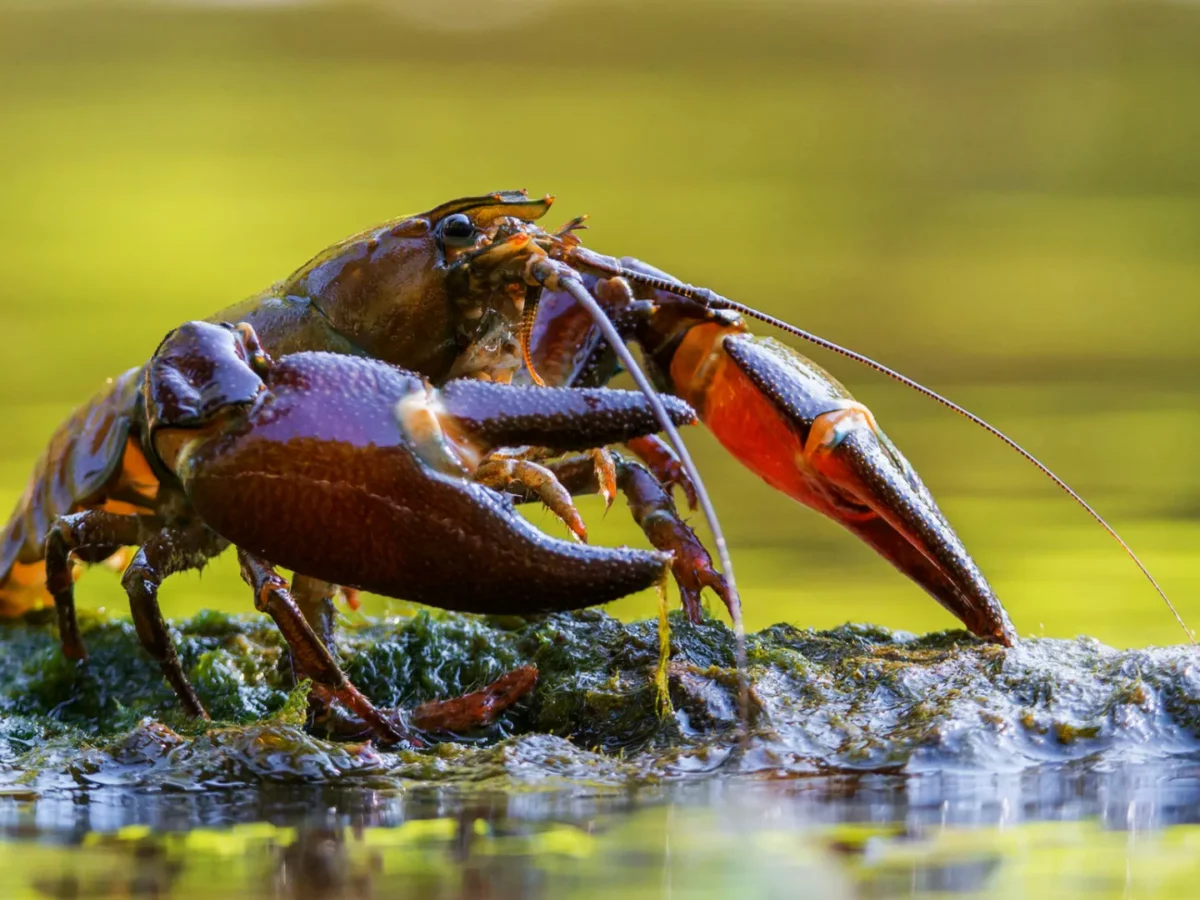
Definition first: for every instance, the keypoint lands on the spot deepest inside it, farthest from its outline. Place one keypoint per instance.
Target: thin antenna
(713, 300)
(576, 289)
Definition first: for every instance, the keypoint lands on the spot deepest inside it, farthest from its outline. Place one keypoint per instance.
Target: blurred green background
(1001, 200)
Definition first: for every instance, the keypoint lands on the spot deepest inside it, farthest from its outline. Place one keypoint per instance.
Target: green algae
(855, 698)
(233, 662)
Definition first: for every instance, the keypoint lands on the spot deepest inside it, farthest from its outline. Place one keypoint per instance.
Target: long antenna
(713, 300)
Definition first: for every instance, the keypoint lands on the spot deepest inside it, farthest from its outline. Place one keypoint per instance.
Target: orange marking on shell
(75, 472)
(24, 590)
(821, 455)
(119, 561)
(121, 508)
(824, 434)
(751, 428)
(136, 473)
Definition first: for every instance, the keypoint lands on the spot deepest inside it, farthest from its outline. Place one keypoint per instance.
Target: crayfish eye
(458, 231)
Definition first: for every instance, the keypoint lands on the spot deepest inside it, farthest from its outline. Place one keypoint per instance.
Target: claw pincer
(799, 429)
(379, 462)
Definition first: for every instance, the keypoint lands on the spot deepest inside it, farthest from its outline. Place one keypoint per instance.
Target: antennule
(525, 336)
(713, 300)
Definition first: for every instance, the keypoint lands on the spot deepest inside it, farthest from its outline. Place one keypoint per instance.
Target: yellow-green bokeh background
(1001, 200)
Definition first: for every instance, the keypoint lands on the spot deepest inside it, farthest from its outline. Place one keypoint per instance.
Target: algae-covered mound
(855, 697)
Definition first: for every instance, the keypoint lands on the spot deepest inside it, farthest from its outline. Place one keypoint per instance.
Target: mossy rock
(854, 698)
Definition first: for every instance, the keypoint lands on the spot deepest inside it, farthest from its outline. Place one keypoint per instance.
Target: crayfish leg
(315, 599)
(167, 553)
(664, 464)
(606, 475)
(521, 475)
(654, 510)
(314, 660)
(272, 596)
(94, 534)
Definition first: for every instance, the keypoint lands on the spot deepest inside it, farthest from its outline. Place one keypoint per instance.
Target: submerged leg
(165, 554)
(93, 535)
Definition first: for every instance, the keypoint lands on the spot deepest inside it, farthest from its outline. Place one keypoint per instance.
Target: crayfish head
(203, 377)
(403, 292)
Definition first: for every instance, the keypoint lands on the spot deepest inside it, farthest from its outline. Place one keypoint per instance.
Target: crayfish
(370, 421)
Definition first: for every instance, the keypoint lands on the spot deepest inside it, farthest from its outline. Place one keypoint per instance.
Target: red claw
(792, 423)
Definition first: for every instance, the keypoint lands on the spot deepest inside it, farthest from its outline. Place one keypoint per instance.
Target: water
(998, 200)
(1056, 833)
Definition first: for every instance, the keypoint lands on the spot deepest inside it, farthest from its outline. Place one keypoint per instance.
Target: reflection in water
(1052, 832)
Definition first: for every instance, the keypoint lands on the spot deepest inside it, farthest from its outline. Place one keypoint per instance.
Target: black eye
(458, 230)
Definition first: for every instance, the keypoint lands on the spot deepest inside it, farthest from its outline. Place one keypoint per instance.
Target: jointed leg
(165, 554)
(664, 465)
(315, 599)
(271, 596)
(478, 708)
(654, 510)
(473, 710)
(519, 475)
(606, 475)
(520, 472)
(94, 534)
